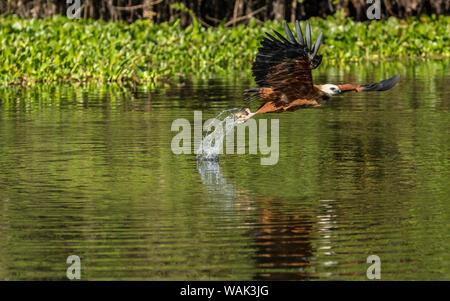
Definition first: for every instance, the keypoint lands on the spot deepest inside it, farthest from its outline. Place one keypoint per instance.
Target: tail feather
(252, 91)
(251, 95)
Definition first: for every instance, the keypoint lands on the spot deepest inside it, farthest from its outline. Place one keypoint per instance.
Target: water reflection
(90, 171)
(284, 242)
(282, 237)
(216, 184)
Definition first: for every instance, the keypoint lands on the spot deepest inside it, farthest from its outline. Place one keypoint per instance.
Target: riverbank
(59, 49)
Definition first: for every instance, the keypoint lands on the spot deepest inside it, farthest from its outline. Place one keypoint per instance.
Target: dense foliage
(60, 49)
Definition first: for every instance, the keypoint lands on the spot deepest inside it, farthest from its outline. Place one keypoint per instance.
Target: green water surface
(89, 171)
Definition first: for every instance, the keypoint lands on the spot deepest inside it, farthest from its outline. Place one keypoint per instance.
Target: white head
(330, 89)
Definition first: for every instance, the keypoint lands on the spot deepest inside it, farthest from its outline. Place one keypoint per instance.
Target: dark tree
(212, 12)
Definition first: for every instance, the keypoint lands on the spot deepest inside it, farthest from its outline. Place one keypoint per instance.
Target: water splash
(221, 193)
(218, 127)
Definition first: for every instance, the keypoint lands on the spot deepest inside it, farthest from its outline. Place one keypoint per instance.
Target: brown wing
(380, 86)
(293, 79)
(349, 87)
(285, 65)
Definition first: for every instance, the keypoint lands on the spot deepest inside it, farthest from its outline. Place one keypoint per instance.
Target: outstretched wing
(285, 65)
(380, 86)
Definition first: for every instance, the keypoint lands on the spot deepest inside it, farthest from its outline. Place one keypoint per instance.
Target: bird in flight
(282, 70)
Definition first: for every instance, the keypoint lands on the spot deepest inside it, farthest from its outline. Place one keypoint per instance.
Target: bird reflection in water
(282, 231)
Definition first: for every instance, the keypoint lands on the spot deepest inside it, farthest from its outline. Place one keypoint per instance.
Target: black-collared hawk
(282, 70)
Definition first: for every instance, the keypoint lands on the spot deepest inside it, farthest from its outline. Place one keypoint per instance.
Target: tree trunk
(147, 12)
(278, 9)
(293, 11)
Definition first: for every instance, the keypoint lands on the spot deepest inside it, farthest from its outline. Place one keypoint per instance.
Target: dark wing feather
(285, 65)
(383, 85)
(308, 35)
(289, 34)
(298, 30)
(380, 86)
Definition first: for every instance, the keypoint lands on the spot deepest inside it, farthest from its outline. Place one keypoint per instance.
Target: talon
(243, 118)
(242, 112)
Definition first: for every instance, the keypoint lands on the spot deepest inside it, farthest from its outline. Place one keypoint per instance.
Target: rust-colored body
(271, 107)
(277, 102)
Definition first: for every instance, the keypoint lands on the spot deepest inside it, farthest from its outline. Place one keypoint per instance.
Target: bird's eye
(333, 89)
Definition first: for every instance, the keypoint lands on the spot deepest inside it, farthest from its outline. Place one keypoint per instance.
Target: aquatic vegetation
(60, 49)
